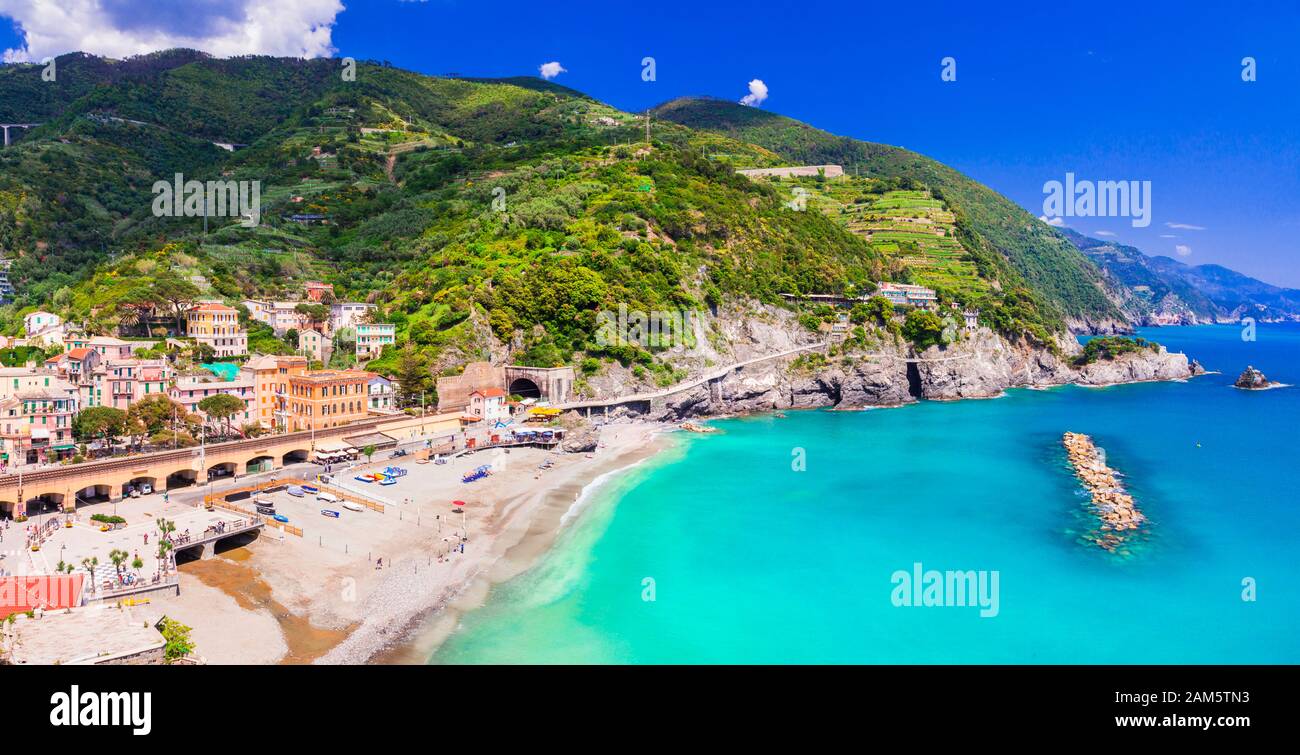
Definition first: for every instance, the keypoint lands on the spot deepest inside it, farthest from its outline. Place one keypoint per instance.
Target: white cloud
(1168, 236)
(1053, 221)
(757, 93)
(121, 28)
(551, 70)
(1105, 233)
(1185, 226)
(1182, 249)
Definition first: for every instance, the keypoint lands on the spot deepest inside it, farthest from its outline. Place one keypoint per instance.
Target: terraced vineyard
(909, 226)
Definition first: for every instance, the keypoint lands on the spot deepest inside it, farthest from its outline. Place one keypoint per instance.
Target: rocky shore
(981, 365)
(1114, 508)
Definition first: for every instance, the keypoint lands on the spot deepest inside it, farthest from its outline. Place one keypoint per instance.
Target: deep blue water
(755, 562)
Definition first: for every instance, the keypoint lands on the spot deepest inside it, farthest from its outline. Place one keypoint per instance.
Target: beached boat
(280, 518)
(295, 491)
(312, 489)
(350, 506)
(329, 513)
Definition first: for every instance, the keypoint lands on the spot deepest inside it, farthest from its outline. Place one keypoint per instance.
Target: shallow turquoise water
(754, 562)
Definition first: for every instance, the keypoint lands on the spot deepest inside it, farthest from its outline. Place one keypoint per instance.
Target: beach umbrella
(457, 504)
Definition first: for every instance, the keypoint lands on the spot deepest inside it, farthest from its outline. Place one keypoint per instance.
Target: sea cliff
(978, 364)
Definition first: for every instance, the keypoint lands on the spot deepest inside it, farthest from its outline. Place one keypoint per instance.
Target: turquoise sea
(754, 562)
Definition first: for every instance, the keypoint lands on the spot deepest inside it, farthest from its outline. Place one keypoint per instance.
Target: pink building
(189, 391)
(121, 382)
(36, 423)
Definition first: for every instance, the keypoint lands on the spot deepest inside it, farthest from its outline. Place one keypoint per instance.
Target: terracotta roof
(78, 353)
(490, 392)
(212, 307)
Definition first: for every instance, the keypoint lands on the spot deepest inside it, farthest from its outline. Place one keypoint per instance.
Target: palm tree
(128, 317)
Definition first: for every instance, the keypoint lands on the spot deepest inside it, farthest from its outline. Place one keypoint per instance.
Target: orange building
(271, 387)
(327, 398)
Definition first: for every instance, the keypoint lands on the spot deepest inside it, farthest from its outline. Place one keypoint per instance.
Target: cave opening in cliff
(913, 380)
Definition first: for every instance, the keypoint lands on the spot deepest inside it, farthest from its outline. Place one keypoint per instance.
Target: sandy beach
(388, 587)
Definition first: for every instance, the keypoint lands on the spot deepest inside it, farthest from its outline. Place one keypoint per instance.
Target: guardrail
(124, 462)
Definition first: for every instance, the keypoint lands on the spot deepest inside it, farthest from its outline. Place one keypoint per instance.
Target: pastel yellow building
(217, 326)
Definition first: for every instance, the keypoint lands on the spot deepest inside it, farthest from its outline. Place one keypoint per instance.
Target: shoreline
(283, 599)
(433, 627)
(308, 608)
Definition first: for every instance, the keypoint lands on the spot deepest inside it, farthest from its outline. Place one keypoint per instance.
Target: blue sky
(1104, 90)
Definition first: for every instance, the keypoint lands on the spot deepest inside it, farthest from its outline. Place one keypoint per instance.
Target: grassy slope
(588, 223)
(1046, 261)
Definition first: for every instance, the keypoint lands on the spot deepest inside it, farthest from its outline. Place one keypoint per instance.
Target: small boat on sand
(350, 506)
(330, 513)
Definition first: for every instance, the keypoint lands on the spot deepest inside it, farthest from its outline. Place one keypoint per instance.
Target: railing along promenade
(139, 461)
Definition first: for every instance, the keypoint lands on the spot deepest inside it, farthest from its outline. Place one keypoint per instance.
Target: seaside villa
(906, 294)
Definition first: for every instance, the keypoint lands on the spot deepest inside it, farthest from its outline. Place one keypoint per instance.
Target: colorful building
(121, 382)
(37, 322)
(906, 294)
(189, 391)
(217, 326)
(489, 405)
(327, 398)
(271, 386)
(317, 291)
(36, 420)
(281, 316)
(373, 337)
(311, 344)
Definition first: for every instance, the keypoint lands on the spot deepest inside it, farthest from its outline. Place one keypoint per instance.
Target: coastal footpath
(981, 364)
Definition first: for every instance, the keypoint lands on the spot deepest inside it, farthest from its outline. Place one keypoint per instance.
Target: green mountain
(990, 222)
(1166, 290)
(486, 218)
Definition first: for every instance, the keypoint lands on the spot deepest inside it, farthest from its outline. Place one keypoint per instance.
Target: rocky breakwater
(1116, 512)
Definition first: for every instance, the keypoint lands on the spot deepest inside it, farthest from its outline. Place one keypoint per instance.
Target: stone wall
(830, 171)
(453, 392)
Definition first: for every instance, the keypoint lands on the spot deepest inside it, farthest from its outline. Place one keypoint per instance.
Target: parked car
(146, 488)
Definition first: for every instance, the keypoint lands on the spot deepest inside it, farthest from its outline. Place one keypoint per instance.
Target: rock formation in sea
(1252, 379)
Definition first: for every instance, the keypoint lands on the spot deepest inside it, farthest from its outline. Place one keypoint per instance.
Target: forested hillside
(478, 214)
(1046, 263)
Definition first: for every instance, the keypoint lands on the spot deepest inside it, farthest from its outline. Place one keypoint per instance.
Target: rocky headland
(887, 372)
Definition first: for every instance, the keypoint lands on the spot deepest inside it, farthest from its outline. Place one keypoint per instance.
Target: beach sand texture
(320, 598)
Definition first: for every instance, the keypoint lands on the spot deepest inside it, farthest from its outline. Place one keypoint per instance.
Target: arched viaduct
(65, 486)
